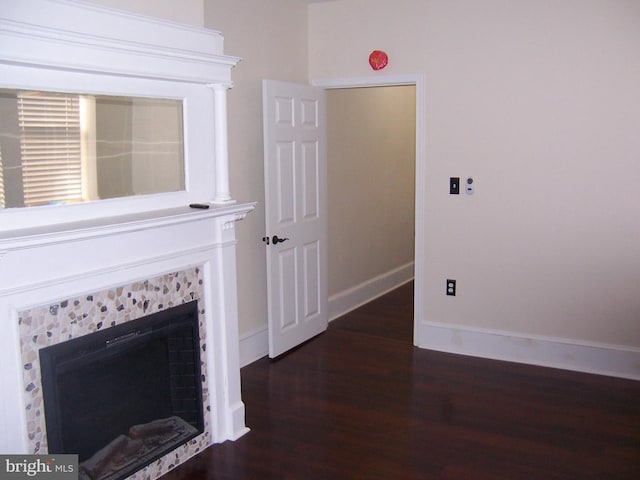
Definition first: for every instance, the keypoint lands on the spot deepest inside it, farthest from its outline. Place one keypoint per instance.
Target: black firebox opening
(122, 397)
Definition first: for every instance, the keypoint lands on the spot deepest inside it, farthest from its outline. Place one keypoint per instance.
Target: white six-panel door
(296, 214)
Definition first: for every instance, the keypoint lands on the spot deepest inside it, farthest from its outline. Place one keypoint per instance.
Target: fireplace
(83, 354)
(123, 397)
(108, 276)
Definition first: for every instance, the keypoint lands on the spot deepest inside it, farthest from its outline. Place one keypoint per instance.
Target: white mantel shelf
(105, 226)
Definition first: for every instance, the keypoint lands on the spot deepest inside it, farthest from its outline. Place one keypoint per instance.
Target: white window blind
(50, 146)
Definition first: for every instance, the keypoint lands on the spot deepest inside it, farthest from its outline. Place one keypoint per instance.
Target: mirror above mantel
(159, 85)
(63, 148)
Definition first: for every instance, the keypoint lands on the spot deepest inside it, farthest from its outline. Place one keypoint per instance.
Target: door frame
(389, 81)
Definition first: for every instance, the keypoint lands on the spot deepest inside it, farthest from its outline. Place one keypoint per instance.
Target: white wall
(185, 11)
(539, 102)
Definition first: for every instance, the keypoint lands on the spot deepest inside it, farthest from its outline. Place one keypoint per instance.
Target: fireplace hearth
(124, 396)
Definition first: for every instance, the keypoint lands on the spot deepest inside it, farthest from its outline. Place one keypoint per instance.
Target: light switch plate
(454, 185)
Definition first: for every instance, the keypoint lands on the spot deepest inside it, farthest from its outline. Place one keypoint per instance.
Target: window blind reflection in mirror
(67, 148)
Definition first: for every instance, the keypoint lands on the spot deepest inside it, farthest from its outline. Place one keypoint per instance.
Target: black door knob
(277, 240)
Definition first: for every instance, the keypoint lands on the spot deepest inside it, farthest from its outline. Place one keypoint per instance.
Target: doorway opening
(375, 162)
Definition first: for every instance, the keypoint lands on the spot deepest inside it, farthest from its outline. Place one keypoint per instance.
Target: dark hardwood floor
(360, 402)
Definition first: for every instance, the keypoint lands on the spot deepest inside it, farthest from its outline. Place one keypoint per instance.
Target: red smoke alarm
(378, 59)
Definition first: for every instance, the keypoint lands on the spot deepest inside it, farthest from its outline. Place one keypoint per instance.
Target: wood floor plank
(360, 402)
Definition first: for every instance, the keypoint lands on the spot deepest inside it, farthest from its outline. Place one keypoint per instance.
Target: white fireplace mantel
(47, 266)
(51, 254)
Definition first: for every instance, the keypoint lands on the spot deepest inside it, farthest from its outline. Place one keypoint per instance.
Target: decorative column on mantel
(223, 194)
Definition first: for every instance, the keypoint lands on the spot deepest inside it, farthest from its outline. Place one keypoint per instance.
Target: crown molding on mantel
(89, 38)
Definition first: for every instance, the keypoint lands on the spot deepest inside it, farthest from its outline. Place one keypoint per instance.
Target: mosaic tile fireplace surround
(74, 317)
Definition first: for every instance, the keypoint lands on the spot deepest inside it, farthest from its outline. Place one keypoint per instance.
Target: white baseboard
(357, 296)
(254, 345)
(602, 359)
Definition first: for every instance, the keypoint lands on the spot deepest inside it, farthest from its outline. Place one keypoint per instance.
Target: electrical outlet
(451, 287)
(454, 185)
